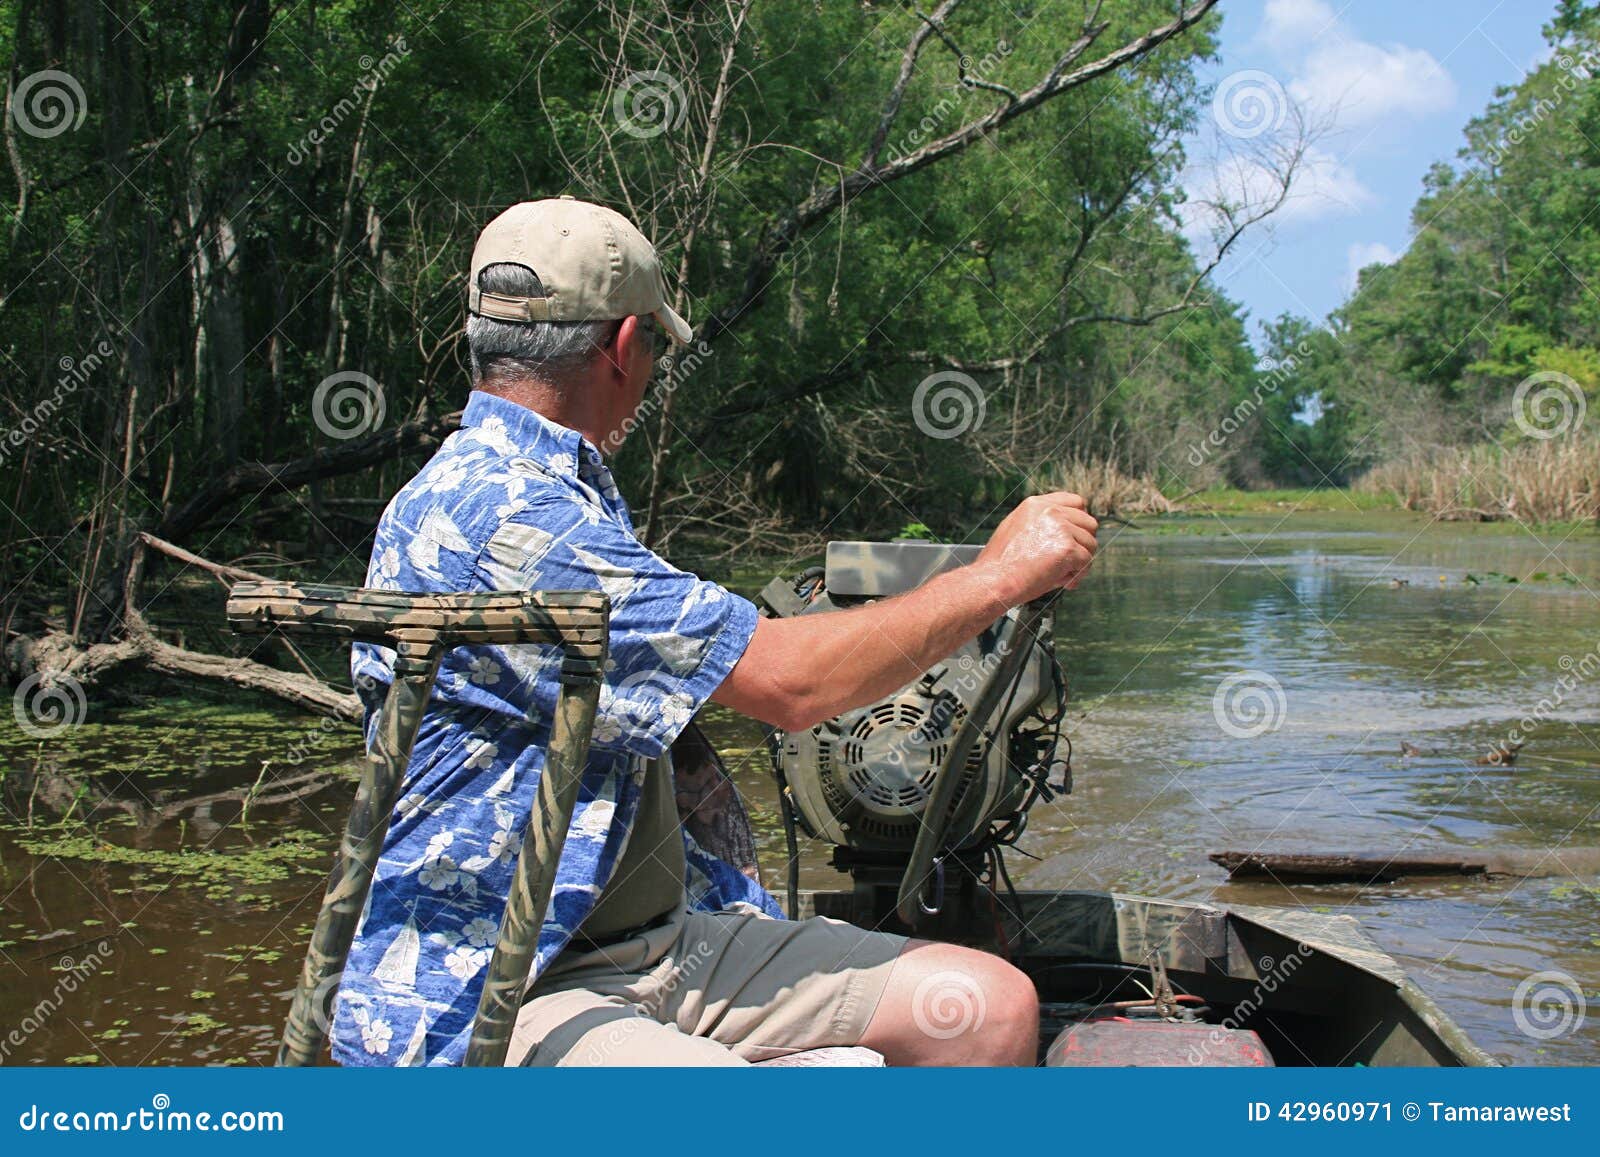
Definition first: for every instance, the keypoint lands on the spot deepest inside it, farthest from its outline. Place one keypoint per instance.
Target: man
(652, 952)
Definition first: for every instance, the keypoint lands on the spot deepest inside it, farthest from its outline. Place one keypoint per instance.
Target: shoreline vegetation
(1552, 481)
(1541, 482)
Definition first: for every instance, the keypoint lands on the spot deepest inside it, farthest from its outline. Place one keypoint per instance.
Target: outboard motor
(868, 781)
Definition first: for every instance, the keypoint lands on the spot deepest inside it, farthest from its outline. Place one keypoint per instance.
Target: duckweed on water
(219, 873)
(199, 1023)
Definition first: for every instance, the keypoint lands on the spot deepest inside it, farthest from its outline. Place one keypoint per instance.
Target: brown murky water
(163, 921)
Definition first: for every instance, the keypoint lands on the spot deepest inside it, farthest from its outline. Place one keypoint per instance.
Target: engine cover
(862, 779)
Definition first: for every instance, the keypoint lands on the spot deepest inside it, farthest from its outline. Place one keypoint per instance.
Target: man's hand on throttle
(1045, 544)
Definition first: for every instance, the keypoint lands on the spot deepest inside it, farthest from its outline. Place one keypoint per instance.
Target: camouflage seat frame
(421, 628)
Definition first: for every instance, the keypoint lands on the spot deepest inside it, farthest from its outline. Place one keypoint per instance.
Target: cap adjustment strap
(499, 305)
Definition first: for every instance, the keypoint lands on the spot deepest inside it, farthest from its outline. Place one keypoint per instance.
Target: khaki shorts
(707, 989)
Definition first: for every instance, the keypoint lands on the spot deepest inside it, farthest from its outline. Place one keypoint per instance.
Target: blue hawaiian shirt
(514, 501)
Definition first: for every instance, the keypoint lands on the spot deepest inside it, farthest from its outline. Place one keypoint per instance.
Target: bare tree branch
(783, 232)
(908, 68)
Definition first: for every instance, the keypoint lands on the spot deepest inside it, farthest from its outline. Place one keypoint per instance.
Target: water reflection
(181, 851)
(55, 791)
(1450, 660)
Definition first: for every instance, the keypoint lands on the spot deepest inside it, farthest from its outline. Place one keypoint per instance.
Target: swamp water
(161, 864)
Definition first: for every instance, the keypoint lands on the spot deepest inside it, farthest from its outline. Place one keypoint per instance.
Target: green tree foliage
(850, 197)
(1302, 437)
(1498, 283)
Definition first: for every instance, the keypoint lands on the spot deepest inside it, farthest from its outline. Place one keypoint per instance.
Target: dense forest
(934, 257)
(1459, 377)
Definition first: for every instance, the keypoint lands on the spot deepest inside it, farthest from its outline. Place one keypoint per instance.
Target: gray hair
(545, 350)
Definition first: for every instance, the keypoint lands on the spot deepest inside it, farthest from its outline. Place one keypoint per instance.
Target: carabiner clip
(938, 889)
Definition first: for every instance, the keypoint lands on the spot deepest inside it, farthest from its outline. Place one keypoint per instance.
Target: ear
(630, 339)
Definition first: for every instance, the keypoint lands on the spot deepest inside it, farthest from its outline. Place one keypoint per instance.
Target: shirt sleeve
(674, 636)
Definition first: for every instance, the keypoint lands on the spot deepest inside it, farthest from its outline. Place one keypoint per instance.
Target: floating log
(1379, 867)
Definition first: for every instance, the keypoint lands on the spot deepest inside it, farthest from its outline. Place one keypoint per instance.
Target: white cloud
(1338, 75)
(1364, 83)
(1362, 254)
(1325, 78)
(1288, 24)
(1323, 186)
(1308, 80)
(1326, 185)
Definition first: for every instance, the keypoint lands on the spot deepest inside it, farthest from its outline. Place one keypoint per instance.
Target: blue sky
(1391, 83)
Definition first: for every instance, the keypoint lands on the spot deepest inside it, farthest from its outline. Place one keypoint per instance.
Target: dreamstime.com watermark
(1272, 974)
(160, 1117)
(974, 674)
(976, 74)
(44, 709)
(1547, 405)
(1247, 704)
(48, 103)
(948, 1004)
(947, 404)
(348, 404)
(1548, 1005)
(373, 75)
(74, 373)
(1577, 672)
(73, 973)
(649, 1010)
(1576, 72)
(911, 752)
(313, 738)
(1249, 103)
(675, 367)
(642, 704)
(649, 103)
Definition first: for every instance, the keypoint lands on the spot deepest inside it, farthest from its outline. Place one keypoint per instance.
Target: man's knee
(1009, 1032)
(957, 1006)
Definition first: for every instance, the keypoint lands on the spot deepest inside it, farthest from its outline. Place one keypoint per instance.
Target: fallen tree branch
(57, 659)
(220, 570)
(1383, 867)
(302, 691)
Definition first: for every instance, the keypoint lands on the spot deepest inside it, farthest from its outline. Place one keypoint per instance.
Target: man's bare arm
(799, 671)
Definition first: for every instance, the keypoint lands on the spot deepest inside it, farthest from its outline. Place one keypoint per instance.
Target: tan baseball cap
(595, 266)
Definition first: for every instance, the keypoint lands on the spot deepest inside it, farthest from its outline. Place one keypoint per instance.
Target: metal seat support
(421, 628)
